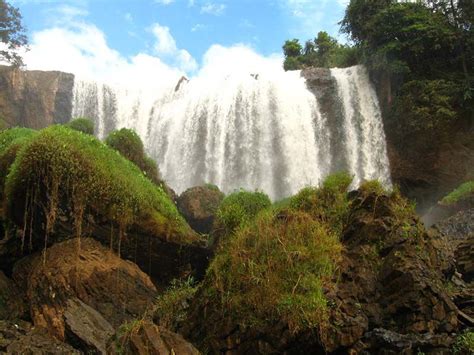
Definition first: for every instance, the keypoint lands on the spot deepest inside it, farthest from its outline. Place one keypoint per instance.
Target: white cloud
(165, 45)
(82, 49)
(213, 9)
(197, 27)
(164, 2)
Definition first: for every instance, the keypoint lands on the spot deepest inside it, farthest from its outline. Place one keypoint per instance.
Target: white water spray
(249, 129)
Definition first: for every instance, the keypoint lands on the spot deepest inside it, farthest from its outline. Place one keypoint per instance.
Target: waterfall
(256, 130)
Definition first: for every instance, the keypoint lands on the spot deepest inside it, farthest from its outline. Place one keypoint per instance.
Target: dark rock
(12, 302)
(199, 205)
(458, 226)
(115, 288)
(146, 338)
(86, 328)
(21, 338)
(35, 99)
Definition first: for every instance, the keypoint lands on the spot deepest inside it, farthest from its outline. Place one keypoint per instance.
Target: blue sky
(177, 32)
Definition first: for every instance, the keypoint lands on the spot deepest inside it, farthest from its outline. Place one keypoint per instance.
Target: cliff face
(424, 168)
(35, 99)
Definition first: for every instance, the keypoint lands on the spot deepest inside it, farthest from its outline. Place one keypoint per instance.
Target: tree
(12, 34)
(292, 48)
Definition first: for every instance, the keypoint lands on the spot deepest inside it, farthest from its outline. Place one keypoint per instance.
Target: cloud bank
(81, 48)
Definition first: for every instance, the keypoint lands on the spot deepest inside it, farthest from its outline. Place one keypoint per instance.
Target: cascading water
(262, 130)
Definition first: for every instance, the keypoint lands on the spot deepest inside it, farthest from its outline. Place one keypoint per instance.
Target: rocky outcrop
(146, 338)
(80, 293)
(389, 295)
(199, 205)
(35, 99)
(391, 289)
(22, 338)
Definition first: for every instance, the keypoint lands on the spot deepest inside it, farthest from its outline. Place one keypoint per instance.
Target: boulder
(146, 338)
(79, 291)
(22, 338)
(199, 205)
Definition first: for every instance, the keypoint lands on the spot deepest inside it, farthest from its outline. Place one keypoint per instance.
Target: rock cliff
(35, 99)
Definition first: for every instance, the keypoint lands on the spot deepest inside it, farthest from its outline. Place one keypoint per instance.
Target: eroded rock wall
(35, 99)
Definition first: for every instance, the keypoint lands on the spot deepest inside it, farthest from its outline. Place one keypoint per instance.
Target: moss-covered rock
(129, 144)
(237, 209)
(84, 125)
(199, 206)
(64, 183)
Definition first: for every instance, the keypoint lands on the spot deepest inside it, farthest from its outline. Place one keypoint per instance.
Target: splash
(258, 128)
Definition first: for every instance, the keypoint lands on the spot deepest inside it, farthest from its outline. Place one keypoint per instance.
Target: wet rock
(91, 273)
(199, 205)
(146, 338)
(22, 338)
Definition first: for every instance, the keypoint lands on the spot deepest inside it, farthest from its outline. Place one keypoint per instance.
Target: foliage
(463, 192)
(128, 143)
(171, 306)
(60, 165)
(324, 52)
(428, 106)
(239, 208)
(12, 34)
(84, 125)
(11, 140)
(328, 203)
(464, 343)
(274, 269)
(426, 49)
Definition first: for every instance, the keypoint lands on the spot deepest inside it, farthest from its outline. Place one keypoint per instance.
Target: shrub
(239, 208)
(461, 193)
(128, 143)
(274, 269)
(171, 307)
(60, 165)
(327, 203)
(83, 125)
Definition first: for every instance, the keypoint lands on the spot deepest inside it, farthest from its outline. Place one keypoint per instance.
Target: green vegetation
(239, 208)
(13, 37)
(463, 192)
(274, 269)
(422, 52)
(11, 140)
(324, 51)
(128, 143)
(328, 203)
(83, 125)
(59, 164)
(464, 343)
(171, 307)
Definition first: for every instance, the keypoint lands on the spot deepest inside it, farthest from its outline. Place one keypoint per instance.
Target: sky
(101, 38)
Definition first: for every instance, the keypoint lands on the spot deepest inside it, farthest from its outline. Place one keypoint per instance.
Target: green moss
(239, 208)
(83, 125)
(463, 192)
(11, 141)
(327, 203)
(274, 269)
(66, 165)
(128, 143)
